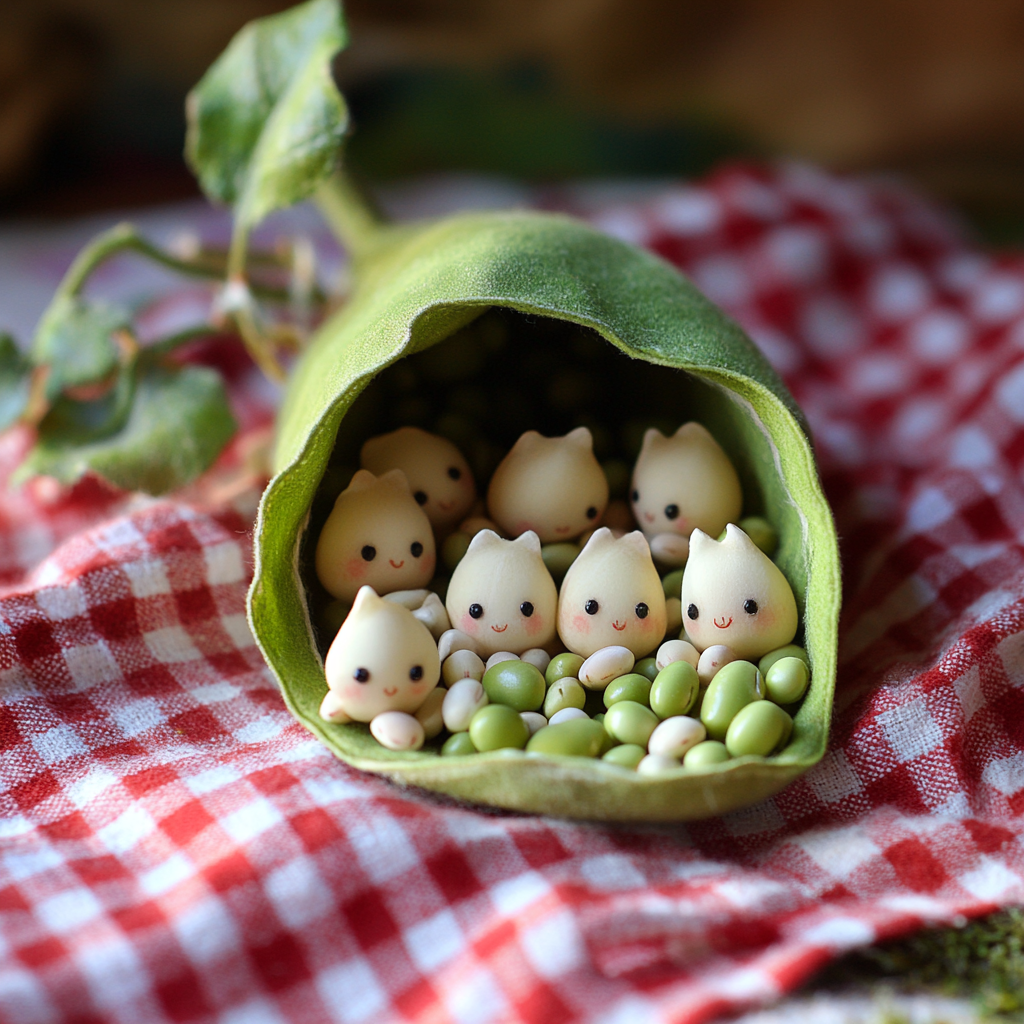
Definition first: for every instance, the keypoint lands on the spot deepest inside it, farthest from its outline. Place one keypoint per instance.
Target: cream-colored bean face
(376, 536)
(734, 594)
(502, 595)
(684, 482)
(382, 659)
(612, 595)
(551, 485)
(439, 476)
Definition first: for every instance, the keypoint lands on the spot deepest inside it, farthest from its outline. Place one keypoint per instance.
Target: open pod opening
(481, 327)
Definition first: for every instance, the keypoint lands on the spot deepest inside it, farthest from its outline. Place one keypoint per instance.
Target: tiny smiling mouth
(445, 506)
(396, 565)
(500, 629)
(562, 529)
(616, 626)
(390, 691)
(723, 625)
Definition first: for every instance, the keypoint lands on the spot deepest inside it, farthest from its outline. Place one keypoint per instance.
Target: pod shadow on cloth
(419, 286)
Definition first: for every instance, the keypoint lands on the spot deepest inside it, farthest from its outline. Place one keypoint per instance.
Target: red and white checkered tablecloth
(174, 847)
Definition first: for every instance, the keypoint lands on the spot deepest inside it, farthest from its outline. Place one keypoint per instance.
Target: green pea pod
(414, 288)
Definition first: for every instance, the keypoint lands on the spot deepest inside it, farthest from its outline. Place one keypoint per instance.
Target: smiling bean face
(376, 535)
(612, 596)
(382, 659)
(734, 594)
(551, 485)
(684, 482)
(439, 476)
(502, 595)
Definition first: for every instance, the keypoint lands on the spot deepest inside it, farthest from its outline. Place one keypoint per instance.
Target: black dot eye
(526, 608)
(475, 611)
(692, 612)
(636, 495)
(454, 472)
(416, 673)
(671, 511)
(641, 610)
(361, 675)
(750, 606)
(591, 607)
(421, 497)
(591, 512)
(369, 553)
(416, 549)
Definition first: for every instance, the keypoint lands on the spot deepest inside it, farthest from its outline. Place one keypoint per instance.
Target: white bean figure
(681, 483)
(376, 535)
(734, 594)
(502, 596)
(553, 486)
(383, 659)
(439, 476)
(612, 596)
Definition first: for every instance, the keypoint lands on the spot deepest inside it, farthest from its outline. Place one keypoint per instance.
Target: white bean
(567, 715)
(676, 650)
(534, 720)
(462, 701)
(462, 665)
(429, 713)
(433, 614)
(711, 660)
(656, 764)
(455, 640)
(537, 657)
(499, 656)
(397, 730)
(674, 736)
(605, 665)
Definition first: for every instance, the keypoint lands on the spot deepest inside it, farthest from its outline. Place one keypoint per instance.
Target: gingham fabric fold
(174, 847)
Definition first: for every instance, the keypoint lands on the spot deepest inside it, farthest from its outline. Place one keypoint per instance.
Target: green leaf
(74, 422)
(176, 426)
(74, 339)
(15, 380)
(266, 120)
(415, 291)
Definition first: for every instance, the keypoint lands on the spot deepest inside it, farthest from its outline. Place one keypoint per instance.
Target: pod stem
(350, 215)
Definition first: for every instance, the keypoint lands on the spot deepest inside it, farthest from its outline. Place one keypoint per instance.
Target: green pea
(454, 548)
(675, 690)
(789, 651)
(564, 693)
(558, 558)
(560, 665)
(673, 583)
(517, 684)
(786, 681)
(706, 753)
(734, 686)
(630, 722)
(647, 667)
(497, 726)
(761, 532)
(759, 728)
(580, 737)
(629, 755)
(457, 744)
(633, 687)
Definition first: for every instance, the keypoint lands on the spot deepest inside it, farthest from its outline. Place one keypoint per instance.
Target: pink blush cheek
(581, 623)
(468, 624)
(534, 625)
(355, 568)
(429, 561)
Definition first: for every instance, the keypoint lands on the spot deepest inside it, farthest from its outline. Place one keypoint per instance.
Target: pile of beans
(657, 714)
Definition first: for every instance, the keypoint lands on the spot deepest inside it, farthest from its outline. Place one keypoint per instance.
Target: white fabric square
(1006, 775)
(164, 877)
(215, 692)
(23, 998)
(910, 729)
(968, 689)
(223, 563)
(514, 894)
(477, 999)
(118, 534)
(251, 820)
(19, 864)
(838, 933)
(383, 848)
(91, 665)
(611, 871)
(147, 577)
(799, 253)
(1010, 394)
(62, 602)
(1011, 653)
(834, 778)
(749, 821)
(127, 830)
(139, 716)
(351, 992)
(434, 941)
(298, 892)
(83, 791)
(991, 880)
(256, 1011)
(263, 729)
(58, 744)
(171, 644)
(114, 972)
(207, 932)
(237, 627)
(688, 211)
(839, 852)
(69, 910)
(553, 945)
(211, 779)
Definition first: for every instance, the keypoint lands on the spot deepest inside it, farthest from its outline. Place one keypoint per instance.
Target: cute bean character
(383, 659)
(439, 476)
(612, 596)
(376, 535)
(681, 483)
(502, 596)
(734, 594)
(551, 485)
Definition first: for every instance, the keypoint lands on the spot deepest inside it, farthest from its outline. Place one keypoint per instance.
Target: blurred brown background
(91, 91)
